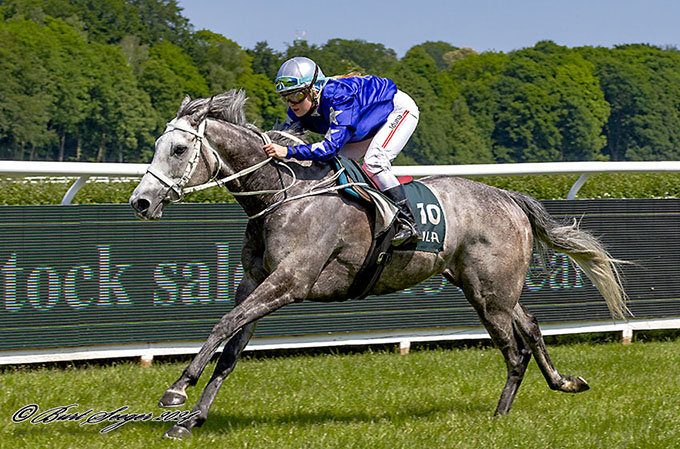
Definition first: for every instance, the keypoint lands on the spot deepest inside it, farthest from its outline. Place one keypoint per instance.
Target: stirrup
(405, 234)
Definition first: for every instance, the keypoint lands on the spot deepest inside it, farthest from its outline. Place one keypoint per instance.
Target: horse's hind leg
(528, 326)
(515, 351)
(495, 313)
(517, 356)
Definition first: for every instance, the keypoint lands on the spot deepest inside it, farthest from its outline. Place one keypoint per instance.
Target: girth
(381, 243)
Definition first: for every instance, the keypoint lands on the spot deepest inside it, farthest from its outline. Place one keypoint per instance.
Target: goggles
(283, 83)
(294, 97)
(288, 82)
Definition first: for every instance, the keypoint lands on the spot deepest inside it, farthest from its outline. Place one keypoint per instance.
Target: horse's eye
(179, 150)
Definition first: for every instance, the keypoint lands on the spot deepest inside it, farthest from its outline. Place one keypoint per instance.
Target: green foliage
(266, 61)
(369, 58)
(439, 51)
(96, 80)
(611, 185)
(476, 77)
(220, 61)
(446, 132)
(604, 185)
(540, 104)
(19, 192)
(28, 89)
(632, 185)
(109, 21)
(183, 67)
(642, 86)
(264, 107)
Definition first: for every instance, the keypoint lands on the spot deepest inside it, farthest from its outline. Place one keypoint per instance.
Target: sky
(484, 25)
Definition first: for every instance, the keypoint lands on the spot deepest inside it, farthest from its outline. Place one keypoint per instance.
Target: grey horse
(302, 246)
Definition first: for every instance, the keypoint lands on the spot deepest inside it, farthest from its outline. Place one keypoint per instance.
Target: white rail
(83, 170)
(542, 168)
(147, 351)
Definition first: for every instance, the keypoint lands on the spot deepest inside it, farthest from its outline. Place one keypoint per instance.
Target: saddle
(361, 186)
(384, 213)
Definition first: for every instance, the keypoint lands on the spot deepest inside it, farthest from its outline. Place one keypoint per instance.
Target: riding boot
(407, 232)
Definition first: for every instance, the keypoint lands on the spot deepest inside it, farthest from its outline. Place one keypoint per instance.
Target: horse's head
(183, 159)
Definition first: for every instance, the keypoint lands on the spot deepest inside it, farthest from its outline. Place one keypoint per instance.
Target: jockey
(359, 116)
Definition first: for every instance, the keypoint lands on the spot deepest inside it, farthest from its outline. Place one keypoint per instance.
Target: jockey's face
(303, 107)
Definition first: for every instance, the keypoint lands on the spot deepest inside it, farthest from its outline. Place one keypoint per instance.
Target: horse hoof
(177, 433)
(582, 384)
(173, 398)
(575, 384)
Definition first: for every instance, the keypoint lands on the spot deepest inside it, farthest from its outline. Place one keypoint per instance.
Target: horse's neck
(242, 149)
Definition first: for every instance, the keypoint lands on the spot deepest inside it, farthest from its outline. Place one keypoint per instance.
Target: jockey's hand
(276, 150)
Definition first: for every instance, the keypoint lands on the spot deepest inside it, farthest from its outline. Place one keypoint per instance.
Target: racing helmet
(299, 73)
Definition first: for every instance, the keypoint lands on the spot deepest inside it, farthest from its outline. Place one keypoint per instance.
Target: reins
(179, 190)
(312, 192)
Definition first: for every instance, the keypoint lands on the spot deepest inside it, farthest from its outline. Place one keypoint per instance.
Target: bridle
(177, 190)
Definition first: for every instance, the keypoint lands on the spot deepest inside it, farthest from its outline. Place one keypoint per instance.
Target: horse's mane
(230, 107)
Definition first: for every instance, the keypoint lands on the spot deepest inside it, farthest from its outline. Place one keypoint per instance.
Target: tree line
(96, 80)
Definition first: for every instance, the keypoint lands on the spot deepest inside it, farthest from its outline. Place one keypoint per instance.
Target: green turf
(441, 398)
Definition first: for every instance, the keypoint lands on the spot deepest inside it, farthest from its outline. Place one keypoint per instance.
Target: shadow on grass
(220, 421)
(28, 431)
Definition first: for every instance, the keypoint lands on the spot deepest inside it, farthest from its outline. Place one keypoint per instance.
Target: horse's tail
(582, 247)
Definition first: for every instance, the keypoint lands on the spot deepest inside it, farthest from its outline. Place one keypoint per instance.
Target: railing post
(627, 335)
(404, 347)
(74, 189)
(145, 360)
(577, 186)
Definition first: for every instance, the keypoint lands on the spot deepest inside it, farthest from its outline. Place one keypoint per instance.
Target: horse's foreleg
(176, 396)
(225, 365)
(279, 289)
(271, 295)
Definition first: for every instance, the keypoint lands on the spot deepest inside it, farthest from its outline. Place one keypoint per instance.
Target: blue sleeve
(343, 113)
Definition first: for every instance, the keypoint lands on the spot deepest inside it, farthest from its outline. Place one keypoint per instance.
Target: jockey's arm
(335, 138)
(342, 116)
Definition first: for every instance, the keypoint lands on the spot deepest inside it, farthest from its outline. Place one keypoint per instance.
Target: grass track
(438, 398)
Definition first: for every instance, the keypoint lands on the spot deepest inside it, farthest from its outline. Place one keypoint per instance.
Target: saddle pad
(424, 204)
(429, 216)
(353, 172)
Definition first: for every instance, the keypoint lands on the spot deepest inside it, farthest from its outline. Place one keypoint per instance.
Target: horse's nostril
(141, 205)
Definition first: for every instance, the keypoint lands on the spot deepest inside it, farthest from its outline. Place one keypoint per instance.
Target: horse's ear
(185, 102)
(201, 113)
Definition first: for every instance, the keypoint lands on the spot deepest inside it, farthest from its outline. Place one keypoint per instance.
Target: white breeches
(383, 148)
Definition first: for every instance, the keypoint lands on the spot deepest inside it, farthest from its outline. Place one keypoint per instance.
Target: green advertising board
(95, 275)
